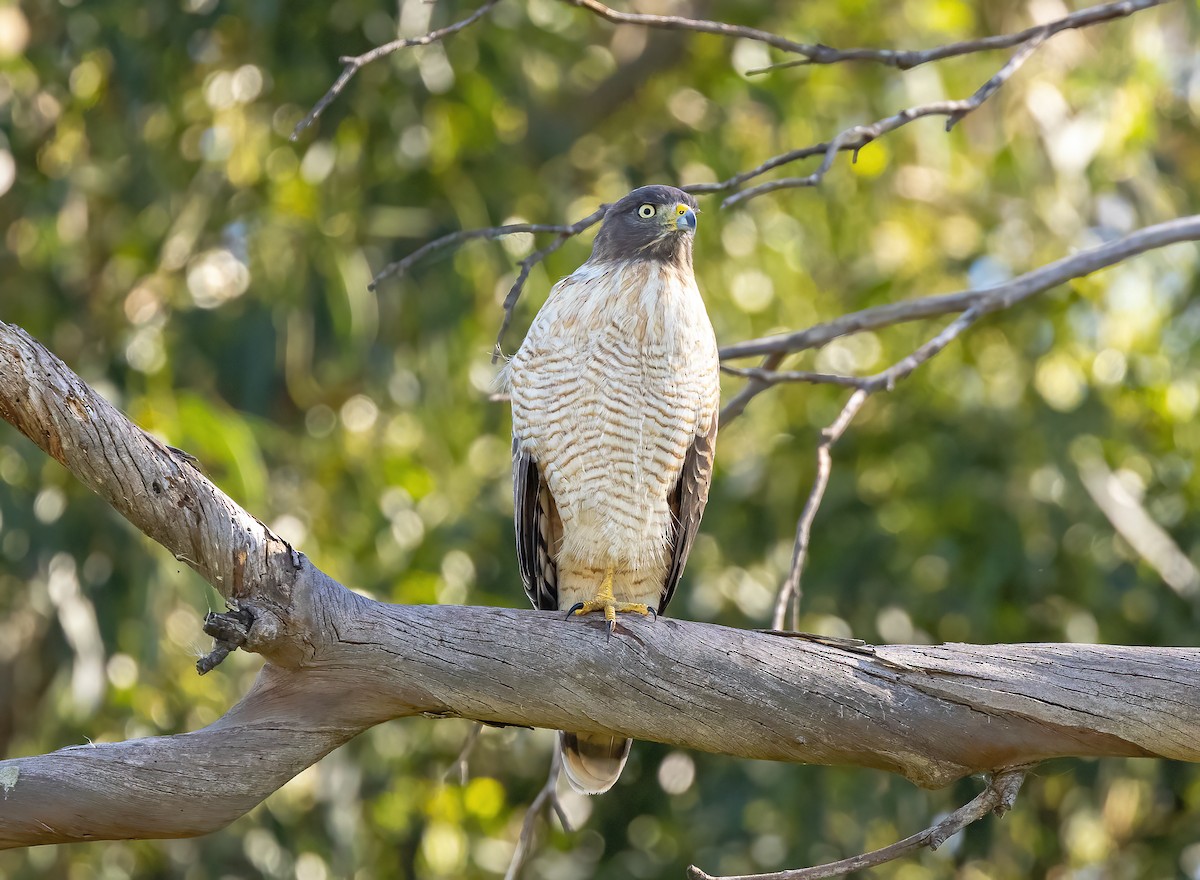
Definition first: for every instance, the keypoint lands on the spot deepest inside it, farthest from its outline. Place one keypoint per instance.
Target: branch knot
(229, 630)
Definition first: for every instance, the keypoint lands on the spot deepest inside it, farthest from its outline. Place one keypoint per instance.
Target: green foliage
(164, 238)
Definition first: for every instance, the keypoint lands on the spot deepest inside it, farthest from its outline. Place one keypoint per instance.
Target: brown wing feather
(538, 530)
(688, 499)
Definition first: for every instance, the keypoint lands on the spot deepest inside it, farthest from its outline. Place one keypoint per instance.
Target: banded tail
(593, 761)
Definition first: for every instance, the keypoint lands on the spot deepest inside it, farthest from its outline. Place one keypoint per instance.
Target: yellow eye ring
(646, 212)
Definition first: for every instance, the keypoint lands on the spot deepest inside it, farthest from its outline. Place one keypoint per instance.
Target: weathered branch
(339, 663)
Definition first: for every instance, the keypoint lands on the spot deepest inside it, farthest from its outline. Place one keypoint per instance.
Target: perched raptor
(614, 401)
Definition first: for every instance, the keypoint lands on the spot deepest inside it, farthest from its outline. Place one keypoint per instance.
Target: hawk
(614, 405)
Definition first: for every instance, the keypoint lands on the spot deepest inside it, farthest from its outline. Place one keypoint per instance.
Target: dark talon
(653, 612)
(573, 609)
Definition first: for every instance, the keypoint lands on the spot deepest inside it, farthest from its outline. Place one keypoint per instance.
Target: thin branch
(464, 755)
(791, 586)
(997, 799)
(789, 591)
(978, 302)
(997, 297)
(752, 389)
(354, 63)
(908, 59)
(858, 136)
(563, 233)
(548, 795)
(400, 267)
(527, 264)
(776, 377)
(702, 26)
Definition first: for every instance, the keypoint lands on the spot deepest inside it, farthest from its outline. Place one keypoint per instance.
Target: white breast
(608, 389)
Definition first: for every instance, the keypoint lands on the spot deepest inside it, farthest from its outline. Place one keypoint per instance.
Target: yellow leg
(605, 601)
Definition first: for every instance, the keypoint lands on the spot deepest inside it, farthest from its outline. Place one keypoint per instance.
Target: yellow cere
(681, 209)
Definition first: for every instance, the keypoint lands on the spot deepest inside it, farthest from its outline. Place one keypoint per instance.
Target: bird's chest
(645, 353)
(612, 382)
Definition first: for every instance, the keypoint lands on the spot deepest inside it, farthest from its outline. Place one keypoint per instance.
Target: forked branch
(976, 305)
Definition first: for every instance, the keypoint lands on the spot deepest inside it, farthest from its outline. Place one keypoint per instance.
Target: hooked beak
(685, 217)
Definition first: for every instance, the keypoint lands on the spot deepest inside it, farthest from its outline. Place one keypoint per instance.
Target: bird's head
(651, 223)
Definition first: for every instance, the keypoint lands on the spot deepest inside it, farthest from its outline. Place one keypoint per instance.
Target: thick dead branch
(997, 799)
(354, 63)
(339, 663)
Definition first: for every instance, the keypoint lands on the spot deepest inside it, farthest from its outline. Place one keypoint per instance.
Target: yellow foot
(605, 601)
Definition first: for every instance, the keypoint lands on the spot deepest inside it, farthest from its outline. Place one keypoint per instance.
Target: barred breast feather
(613, 389)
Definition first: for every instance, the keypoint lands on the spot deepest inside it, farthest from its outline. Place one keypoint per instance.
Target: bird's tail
(593, 761)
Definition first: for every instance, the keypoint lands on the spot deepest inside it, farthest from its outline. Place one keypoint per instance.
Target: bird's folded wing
(687, 503)
(536, 519)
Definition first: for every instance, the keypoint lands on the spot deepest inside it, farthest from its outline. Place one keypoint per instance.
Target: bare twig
(998, 798)
(818, 53)
(776, 377)
(354, 63)
(401, 267)
(789, 591)
(908, 59)
(791, 585)
(753, 388)
(987, 300)
(527, 264)
(562, 232)
(718, 28)
(997, 297)
(858, 136)
(548, 795)
(464, 755)
(1183, 580)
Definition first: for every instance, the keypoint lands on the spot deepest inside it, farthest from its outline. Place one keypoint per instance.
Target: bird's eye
(646, 211)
